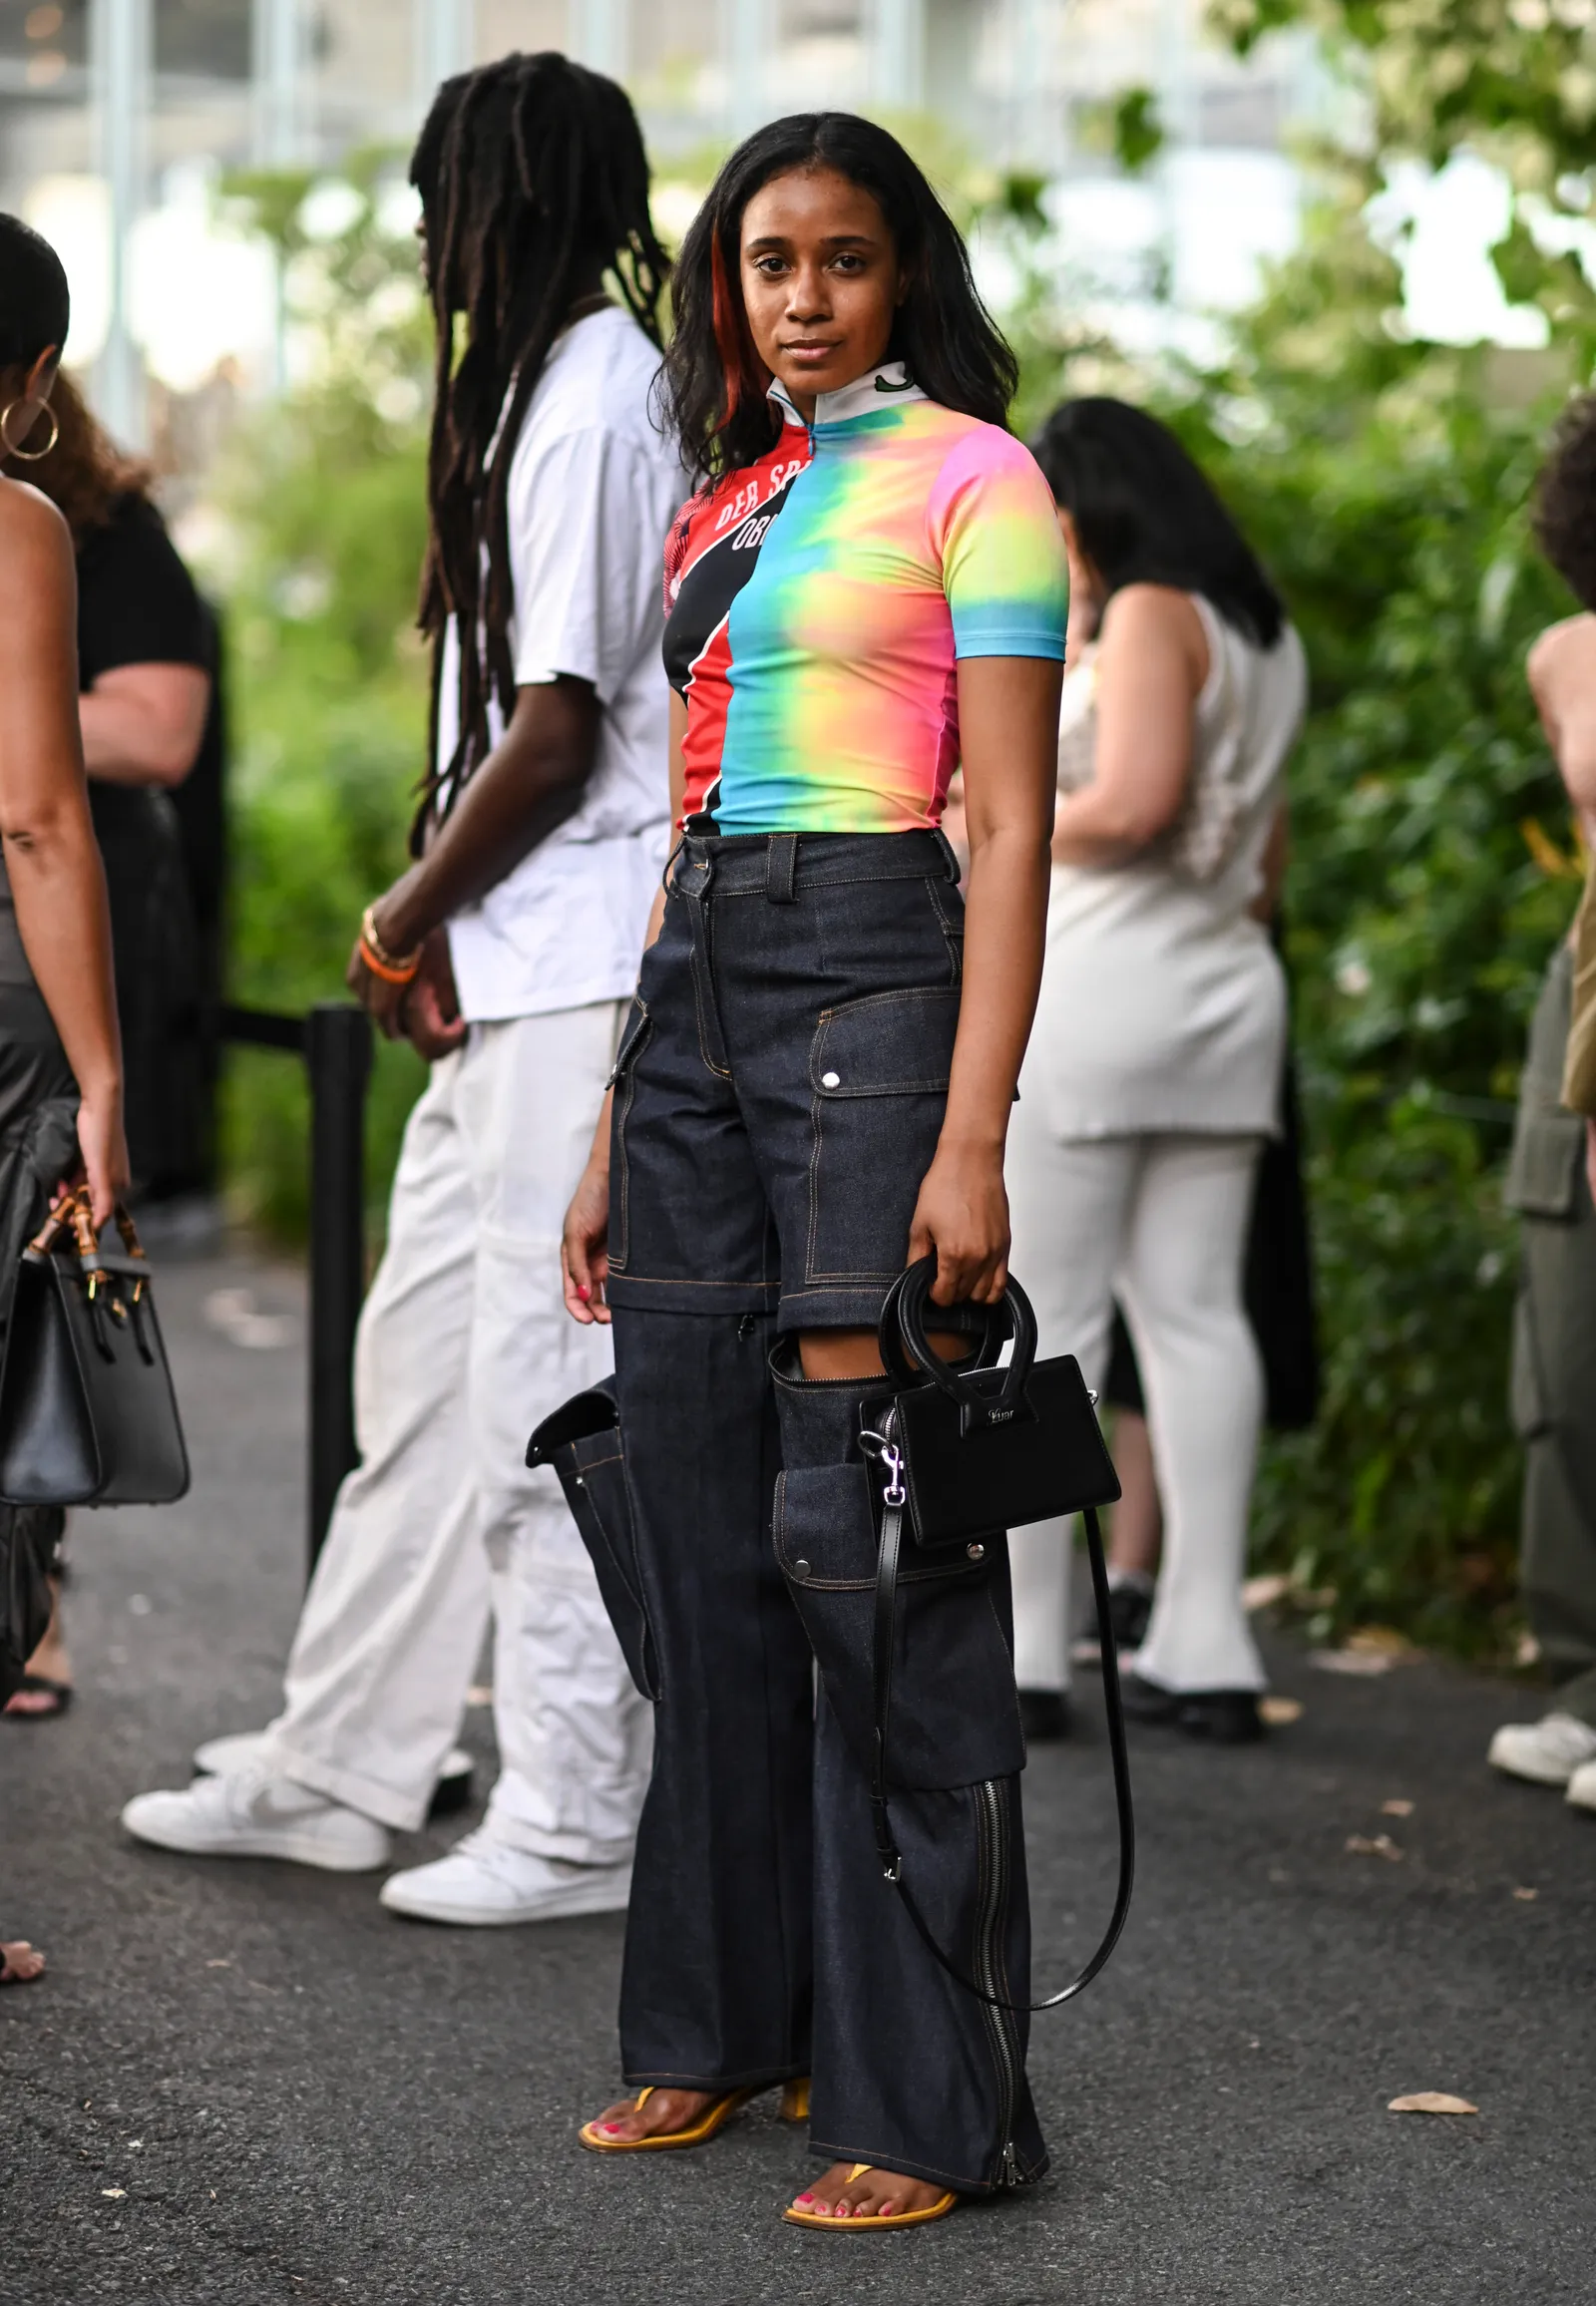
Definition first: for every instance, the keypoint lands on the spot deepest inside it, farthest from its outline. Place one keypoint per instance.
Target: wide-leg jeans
(779, 1097)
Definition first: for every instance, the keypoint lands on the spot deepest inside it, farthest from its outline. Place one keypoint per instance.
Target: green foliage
(1511, 80)
(1390, 499)
(324, 525)
(1139, 132)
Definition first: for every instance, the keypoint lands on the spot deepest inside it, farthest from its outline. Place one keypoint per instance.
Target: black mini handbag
(969, 1452)
(87, 1411)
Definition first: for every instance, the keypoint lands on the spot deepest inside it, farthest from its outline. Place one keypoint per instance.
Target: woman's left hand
(963, 1214)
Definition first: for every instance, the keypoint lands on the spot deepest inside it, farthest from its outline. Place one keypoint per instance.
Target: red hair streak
(731, 334)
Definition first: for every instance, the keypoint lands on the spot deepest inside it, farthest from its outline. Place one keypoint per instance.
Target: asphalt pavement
(245, 2083)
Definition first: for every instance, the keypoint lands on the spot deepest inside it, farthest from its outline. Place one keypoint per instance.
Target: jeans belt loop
(781, 868)
(949, 856)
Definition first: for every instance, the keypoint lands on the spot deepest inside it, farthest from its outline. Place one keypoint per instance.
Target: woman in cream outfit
(1153, 1072)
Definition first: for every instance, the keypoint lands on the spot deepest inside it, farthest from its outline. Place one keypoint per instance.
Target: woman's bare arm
(1562, 680)
(57, 882)
(1153, 661)
(143, 723)
(1009, 724)
(1272, 865)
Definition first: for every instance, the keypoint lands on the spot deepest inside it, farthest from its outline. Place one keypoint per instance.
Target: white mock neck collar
(885, 387)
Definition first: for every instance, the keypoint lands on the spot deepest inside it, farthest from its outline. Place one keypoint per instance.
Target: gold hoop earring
(26, 456)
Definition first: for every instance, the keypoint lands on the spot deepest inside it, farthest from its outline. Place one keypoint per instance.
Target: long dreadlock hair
(533, 176)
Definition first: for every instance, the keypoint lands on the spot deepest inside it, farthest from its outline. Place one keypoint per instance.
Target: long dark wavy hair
(714, 381)
(533, 175)
(1146, 515)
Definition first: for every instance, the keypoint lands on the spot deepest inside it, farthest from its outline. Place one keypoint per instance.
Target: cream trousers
(1160, 1223)
(464, 1344)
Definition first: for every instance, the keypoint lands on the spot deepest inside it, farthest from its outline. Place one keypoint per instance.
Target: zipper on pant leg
(992, 1826)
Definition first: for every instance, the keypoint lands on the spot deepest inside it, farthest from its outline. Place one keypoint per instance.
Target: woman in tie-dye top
(866, 591)
(813, 636)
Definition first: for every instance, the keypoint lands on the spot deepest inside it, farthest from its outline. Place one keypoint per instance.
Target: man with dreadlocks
(508, 953)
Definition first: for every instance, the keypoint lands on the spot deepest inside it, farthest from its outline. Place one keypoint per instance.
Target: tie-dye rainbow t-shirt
(818, 604)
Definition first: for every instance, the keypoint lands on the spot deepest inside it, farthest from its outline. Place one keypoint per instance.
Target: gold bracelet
(397, 967)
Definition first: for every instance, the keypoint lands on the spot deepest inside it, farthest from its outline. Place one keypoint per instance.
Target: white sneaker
(225, 1757)
(1547, 1752)
(1582, 1787)
(486, 1882)
(248, 1815)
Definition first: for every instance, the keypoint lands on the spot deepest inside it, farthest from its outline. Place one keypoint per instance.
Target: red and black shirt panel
(710, 553)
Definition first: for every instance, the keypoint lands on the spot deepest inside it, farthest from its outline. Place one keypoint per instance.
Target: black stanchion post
(338, 1060)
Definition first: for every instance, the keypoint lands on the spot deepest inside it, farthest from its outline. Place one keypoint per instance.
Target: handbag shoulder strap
(894, 1503)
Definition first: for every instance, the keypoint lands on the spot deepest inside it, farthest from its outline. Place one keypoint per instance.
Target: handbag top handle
(902, 1335)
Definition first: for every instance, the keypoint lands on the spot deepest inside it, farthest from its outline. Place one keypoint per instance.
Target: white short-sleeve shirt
(594, 486)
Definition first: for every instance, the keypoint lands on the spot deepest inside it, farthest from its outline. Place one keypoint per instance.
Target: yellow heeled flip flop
(871, 2225)
(719, 2111)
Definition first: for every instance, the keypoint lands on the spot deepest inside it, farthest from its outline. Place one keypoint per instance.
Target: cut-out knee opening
(833, 1356)
(828, 1355)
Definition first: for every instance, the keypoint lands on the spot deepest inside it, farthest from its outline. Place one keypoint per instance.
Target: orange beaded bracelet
(392, 967)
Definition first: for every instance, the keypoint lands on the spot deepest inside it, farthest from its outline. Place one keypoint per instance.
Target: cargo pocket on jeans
(955, 1713)
(878, 1072)
(583, 1443)
(622, 1079)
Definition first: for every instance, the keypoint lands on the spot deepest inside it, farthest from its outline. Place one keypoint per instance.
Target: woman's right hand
(104, 1146)
(584, 1245)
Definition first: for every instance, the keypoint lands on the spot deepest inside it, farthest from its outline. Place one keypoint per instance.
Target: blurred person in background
(1551, 1179)
(508, 953)
(1278, 1292)
(1153, 1074)
(144, 678)
(60, 1058)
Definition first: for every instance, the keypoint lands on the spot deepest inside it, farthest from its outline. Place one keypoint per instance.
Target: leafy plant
(1389, 496)
(322, 526)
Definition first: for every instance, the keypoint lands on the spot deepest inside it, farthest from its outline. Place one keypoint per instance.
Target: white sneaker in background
(246, 1813)
(485, 1882)
(1582, 1787)
(1547, 1752)
(225, 1757)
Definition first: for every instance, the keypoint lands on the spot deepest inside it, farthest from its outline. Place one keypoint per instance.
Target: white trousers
(1161, 1224)
(464, 1344)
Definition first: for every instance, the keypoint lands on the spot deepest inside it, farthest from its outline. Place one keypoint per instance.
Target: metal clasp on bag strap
(892, 1457)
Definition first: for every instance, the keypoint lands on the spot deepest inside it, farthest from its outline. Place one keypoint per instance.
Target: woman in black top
(144, 677)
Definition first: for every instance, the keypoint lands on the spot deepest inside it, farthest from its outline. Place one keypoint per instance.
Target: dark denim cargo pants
(779, 1097)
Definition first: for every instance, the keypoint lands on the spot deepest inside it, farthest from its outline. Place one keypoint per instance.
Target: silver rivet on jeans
(976, 1552)
(831, 1080)
(800, 1569)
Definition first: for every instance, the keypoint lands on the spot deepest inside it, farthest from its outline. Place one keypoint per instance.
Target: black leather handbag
(87, 1411)
(970, 1452)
